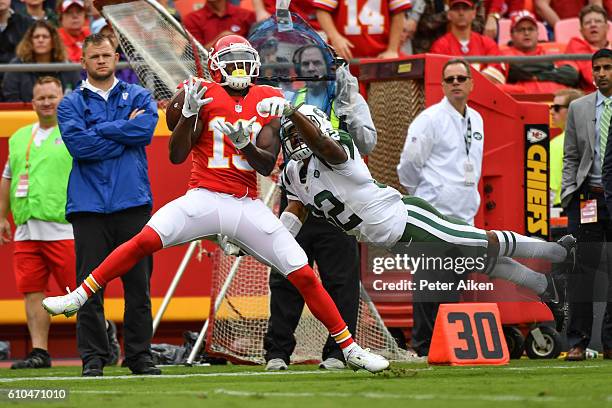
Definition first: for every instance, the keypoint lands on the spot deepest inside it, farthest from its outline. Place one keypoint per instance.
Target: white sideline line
(367, 395)
(140, 377)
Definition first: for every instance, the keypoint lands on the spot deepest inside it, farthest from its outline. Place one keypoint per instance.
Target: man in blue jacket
(106, 124)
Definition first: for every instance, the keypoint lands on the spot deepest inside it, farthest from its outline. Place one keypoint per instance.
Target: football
(174, 108)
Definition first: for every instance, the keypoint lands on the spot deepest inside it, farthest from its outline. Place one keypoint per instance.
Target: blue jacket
(109, 171)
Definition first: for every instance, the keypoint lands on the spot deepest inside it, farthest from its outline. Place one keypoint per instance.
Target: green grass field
(525, 383)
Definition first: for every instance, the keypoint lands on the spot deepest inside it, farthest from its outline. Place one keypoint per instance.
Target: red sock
(122, 259)
(319, 302)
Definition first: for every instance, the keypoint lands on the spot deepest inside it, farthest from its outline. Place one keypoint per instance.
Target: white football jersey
(347, 196)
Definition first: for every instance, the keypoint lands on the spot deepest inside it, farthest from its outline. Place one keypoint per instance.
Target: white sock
(516, 272)
(79, 295)
(346, 351)
(514, 245)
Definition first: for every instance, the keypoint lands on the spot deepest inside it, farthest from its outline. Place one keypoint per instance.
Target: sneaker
(359, 358)
(57, 305)
(38, 358)
(276, 364)
(115, 349)
(332, 364)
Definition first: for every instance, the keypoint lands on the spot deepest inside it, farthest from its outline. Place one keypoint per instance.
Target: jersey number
(334, 214)
(370, 16)
(218, 159)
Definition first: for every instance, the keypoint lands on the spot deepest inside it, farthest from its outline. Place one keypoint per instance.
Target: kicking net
(159, 50)
(237, 328)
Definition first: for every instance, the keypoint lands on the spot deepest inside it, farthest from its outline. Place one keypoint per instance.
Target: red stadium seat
(570, 27)
(504, 32)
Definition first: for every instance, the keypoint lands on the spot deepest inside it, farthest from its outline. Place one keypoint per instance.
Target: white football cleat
(65, 305)
(359, 358)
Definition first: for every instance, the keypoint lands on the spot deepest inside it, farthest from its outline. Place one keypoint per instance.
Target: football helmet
(233, 53)
(293, 145)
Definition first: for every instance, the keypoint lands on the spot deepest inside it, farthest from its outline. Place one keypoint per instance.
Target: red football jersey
(365, 23)
(216, 163)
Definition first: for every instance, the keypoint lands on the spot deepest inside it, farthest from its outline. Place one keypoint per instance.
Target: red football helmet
(236, 53)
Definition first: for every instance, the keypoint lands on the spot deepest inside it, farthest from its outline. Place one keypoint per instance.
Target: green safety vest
(556, 166)
(300, 97)
(49, 169)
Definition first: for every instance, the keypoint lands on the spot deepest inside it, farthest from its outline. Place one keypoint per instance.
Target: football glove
(239, 134)
(275, 106)
(193, 101)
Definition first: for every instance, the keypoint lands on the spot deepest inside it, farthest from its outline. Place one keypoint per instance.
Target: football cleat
(359, 358)
(276, 364)
(57, 305)
(567, 266)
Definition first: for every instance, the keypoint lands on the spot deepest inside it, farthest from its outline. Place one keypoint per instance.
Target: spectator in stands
(13, 27)
(558, 111)
(304, 8)
(73, 28)
(551, 11)
(126, 74)
(37, 11)
(41, 44)
(586, 131)
(462, 41)
(497, 9)
(33, 188)
(435, 167)
(216, 19)
(534, 77)
(594, 30)
(375, 36)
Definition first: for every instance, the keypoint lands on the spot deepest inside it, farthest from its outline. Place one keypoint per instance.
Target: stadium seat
(504, 32)
(570, 27)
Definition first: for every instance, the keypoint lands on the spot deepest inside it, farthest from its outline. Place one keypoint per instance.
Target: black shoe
(38, 358)
(115, 350)
(144, 367)
(556, 300)
(93, 368)
(567, 266)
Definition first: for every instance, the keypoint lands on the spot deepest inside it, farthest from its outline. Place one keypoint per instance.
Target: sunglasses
(459, 78)
(557, 108)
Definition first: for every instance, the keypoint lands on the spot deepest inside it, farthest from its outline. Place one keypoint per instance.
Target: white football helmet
(293, 145)
(236, 51)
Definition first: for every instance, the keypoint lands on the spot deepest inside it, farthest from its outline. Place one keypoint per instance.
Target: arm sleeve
(81, 142)
(133, 132)
(565, 74)
(417, 149)
(360, 125)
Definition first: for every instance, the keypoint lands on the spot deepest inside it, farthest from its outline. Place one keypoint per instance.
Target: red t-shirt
(74, 45)
(205, 25)
(304, 8)
(568, 8)
(580, 46)
(365, 23)
(478, 45)
(216, 163)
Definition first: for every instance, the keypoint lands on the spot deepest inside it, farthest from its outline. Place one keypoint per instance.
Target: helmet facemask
(293, 145)
(242, 62)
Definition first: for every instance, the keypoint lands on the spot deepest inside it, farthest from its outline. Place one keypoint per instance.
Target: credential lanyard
(468, 138)
(27, 158)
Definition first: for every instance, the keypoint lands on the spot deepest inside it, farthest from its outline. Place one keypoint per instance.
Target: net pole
(228, 281)
(175, 281)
